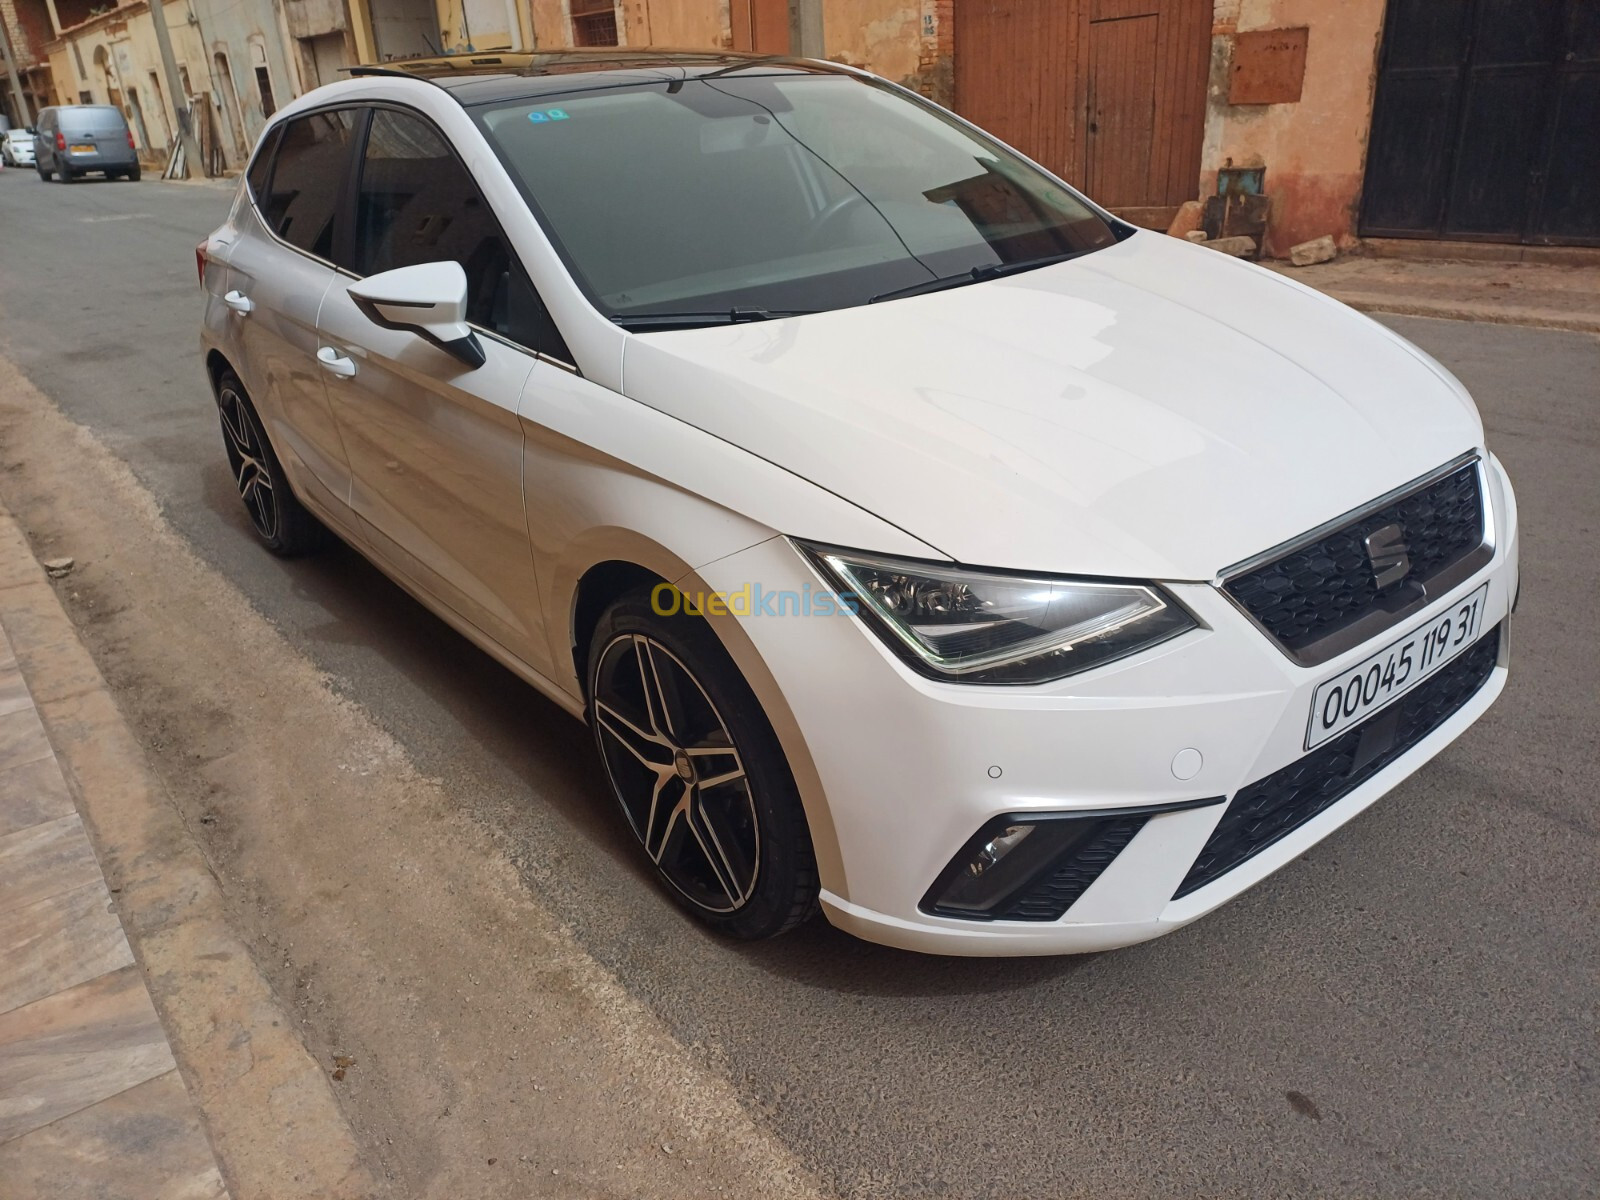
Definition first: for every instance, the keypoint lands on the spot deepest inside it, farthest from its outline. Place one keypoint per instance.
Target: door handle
(239, 302)
(335, 363)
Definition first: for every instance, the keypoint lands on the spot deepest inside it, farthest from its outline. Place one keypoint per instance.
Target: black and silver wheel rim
(677, 773)
(249, 464)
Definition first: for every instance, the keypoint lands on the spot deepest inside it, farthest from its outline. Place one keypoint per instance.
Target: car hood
(1154, 409)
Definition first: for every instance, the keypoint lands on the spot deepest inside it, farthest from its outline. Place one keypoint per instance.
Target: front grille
(1282, 802)
(1316, 590)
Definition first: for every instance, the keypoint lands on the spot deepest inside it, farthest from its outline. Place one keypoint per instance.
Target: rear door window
(308, 175)
(261, 168)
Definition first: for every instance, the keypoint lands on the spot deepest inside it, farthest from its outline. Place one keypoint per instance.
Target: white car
(16, 147)
(917, 539)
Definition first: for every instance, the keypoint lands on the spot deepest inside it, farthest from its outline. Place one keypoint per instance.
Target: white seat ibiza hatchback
(917, 539)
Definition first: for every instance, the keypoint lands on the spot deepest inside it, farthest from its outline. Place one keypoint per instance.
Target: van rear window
(99, 116)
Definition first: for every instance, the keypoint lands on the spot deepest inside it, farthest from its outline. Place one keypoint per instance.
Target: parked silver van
(74, 139)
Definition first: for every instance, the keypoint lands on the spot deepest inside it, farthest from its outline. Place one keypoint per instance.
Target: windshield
(772, 194)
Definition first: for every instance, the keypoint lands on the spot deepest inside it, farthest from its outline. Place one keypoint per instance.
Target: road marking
(118, 217)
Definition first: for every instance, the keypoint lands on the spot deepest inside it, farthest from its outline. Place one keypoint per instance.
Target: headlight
(985, 627)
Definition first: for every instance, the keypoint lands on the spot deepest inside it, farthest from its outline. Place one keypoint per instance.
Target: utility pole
(11, 70)
(193, 164)
(805, 28)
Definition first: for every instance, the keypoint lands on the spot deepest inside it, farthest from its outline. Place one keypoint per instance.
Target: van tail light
(131, 146)
(200, 261)
(61, 141)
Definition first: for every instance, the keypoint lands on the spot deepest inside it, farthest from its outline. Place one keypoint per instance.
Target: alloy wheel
(676, 771)
(248, 460)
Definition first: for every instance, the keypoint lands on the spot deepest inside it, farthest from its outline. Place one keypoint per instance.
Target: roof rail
(391, 71)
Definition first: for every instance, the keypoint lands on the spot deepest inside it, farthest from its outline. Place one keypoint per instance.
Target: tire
(66, 175)
(698, 772)
(131, 176)
(279, 520)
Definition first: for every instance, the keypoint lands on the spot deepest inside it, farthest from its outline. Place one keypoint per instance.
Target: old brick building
(1456, 119)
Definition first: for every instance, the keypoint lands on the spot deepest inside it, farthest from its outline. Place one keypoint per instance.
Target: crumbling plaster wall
(908, 41)
(1314, 151)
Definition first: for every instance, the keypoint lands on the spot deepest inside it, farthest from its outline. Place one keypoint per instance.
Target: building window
(264, 83)
(594, 23)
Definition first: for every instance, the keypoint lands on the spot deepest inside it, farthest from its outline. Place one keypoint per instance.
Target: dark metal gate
(1486, 123)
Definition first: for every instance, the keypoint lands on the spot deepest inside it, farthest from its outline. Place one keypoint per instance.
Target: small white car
(16, 147)
(918, 540)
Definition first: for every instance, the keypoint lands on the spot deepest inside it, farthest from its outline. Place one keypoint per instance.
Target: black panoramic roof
(505, 75)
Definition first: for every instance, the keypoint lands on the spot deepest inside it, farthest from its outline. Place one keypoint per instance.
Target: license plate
(1360, 691)
(82, 149)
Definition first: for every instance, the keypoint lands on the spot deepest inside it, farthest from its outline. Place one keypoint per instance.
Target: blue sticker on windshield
(550, 114)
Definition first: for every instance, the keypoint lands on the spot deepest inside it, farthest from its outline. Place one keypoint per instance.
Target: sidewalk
(117, 965)
(1516, 293)
(91, 1102)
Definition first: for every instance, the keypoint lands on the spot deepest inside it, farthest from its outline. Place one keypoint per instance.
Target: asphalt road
(1411, 1009)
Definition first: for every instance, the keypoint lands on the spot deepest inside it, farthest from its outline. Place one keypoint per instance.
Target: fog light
(998, 863)
(1034, 866)
(994, 851)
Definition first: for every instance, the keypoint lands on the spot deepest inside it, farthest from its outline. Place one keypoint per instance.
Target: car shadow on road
(819, 956)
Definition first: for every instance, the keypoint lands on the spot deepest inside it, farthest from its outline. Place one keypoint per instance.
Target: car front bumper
(898, 772)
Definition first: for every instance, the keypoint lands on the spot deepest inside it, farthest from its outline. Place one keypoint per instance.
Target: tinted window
(775, 190)
(417, 204)
(307, 176)
(93, 118)
(262, 166)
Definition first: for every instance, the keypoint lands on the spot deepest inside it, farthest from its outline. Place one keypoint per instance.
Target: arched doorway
(108, 77)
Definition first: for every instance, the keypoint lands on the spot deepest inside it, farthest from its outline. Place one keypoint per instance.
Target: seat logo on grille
(1389, 555)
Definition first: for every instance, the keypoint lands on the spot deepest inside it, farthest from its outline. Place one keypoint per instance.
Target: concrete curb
(271, 1114)
(1461, 311)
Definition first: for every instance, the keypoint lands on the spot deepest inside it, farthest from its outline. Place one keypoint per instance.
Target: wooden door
(1110, 94)
(760, 26)
(1121, 110)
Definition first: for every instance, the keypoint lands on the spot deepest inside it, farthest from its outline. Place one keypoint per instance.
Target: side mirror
(429, 299)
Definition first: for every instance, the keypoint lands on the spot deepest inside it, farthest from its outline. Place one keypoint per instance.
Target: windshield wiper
(691, 320)
(978, 275)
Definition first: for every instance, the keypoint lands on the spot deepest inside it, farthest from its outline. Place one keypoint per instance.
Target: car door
(435, 447)
(279, 268)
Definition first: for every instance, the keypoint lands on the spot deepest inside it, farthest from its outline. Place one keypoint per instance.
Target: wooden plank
(1158, 216)
(1189, 116)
